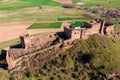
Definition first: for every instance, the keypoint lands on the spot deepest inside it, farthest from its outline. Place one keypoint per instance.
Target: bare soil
(14, 30)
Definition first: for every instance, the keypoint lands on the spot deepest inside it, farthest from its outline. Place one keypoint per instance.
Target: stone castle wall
(29, 45)
(90, 28)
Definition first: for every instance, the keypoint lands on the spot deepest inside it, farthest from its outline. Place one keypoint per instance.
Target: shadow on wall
(3, 63)
(62, 35)
(16, 46)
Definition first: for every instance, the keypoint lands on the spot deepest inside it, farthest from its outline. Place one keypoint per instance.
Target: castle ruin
(33, 44)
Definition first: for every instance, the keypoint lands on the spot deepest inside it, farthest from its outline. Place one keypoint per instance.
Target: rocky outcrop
(113, 13)
(112, 74)
(117, 36)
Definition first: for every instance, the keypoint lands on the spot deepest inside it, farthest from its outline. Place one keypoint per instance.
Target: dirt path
(13, 30)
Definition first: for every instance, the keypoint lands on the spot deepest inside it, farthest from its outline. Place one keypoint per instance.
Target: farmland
(26, 3)
(45, 25)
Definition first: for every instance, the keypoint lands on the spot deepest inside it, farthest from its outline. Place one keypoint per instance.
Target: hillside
(91, 59)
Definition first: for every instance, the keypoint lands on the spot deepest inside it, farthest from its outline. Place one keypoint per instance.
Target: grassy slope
(101, 52)
(106, 52)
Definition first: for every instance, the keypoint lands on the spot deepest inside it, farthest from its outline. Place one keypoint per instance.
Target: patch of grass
(105, 50)
(45, 25)
(77, 24)
(68, 60)
(69, 18)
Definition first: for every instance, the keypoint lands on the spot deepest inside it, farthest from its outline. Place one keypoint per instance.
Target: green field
(26, 3)
(69, 18)
(45, 25)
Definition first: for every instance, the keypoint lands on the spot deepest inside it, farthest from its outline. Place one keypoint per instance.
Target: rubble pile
(113, 13)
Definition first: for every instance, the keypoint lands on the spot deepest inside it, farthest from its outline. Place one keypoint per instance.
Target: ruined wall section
(67, 32)
(109, 30)
(85, 33)
(37, 59)
(25, 41)
(95, 28)
(35, 45)
(29, 41)
(18, 52)
(75, 34)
